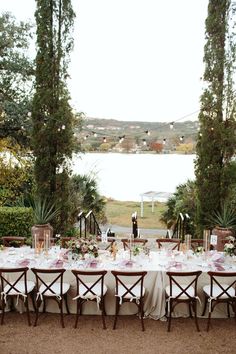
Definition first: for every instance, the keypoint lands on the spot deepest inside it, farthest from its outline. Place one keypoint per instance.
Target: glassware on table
(47, 243)
(206, 240)
(188, 238)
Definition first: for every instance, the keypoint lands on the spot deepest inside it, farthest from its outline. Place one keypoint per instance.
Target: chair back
(21, 274)
(195, 243)
(65, 241)
(13, 241)
(136, 241)
(128, 287)
(223, 290)
(89, 281)
(48, 277)
(181, 289)
(168, 243)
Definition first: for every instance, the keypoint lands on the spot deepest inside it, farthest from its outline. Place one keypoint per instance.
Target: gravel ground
(49, 338)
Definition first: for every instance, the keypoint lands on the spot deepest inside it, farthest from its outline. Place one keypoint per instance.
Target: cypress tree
(216, 141)
(53, 120)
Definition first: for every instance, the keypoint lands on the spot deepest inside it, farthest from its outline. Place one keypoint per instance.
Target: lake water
(126, 176)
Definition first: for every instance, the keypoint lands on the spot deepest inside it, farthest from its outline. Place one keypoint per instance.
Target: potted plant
(224, 224)
(44, 212)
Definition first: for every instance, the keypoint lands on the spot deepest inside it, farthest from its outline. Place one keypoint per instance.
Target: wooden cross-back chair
(20, 287)
(178, 292)
(131, 290)
(54, 289)
(168, 243)
(220, 292)
(13, 241)
(135, 241)
(90, 287)
(66, 240)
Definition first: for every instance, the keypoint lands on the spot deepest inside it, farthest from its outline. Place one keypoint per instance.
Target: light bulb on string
(164, 141)
(147, 132)
(94, 134)
(144, 142)
(171, 125)
(181, 138)
(104, 139)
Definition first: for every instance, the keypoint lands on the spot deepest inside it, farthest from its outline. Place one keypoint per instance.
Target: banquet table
(156, 263)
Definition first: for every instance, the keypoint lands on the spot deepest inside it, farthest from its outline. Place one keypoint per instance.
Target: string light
(147, 132)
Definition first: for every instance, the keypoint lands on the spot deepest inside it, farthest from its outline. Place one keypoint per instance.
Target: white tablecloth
(156, 280)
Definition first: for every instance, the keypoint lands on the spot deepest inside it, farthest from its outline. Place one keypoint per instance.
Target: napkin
(23, 262)
(219, 267)
(127, 263)
(174, 265)
(57, 263)
(92, 263)
(217, 257)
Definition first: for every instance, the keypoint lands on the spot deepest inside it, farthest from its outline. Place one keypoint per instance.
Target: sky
(136, 60)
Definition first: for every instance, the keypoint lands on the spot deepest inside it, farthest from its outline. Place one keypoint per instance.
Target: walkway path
(119, 230)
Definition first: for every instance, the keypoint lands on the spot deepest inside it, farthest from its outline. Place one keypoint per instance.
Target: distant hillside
(138, 135)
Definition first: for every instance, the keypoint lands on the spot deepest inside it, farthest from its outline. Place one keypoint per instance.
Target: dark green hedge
(16, 221)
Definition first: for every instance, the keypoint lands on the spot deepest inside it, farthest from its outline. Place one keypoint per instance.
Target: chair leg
(190, 311)
(234, 307)
(117, 312)
(103, 313)
(142, 314)
(228, 313)
(61, 312)
(209, 316)
(195, 314)
(3, 311)
(78, 305)
(66, 302)
(169, 315)
(27, 310)
(38, 303)
(205, 306)
(32, 295)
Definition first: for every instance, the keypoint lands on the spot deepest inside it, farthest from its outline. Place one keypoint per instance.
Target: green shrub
(16, 221)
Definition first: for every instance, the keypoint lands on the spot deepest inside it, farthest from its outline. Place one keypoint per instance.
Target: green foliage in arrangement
(217, 140)
(16, 221)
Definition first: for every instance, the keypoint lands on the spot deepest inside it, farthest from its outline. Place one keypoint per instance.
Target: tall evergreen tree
(216, 142)
(53, 120)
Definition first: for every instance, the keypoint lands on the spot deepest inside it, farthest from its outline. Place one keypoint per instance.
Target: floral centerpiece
(84, 246)
(199, 250)
(230, 246)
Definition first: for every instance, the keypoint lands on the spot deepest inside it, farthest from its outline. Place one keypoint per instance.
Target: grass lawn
(119, 213)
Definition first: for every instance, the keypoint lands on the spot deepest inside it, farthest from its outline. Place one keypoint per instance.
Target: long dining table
(156, 263)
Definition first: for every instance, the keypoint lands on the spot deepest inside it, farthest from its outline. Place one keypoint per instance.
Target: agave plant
(44, 211)
(224, 218)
